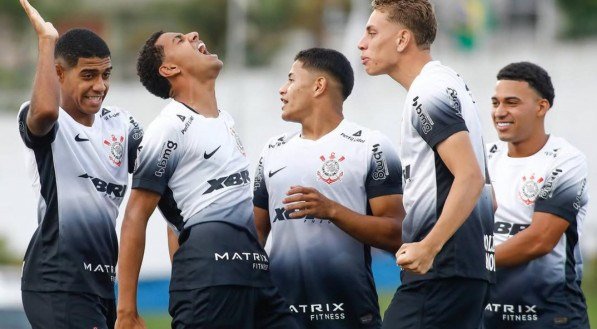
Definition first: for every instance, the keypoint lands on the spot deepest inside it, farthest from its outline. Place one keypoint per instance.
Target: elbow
(541, 248)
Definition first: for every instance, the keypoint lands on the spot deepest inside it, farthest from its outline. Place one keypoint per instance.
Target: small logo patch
(116, 149)
(330, 171)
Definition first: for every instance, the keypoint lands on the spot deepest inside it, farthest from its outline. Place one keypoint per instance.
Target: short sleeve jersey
(438, 105)
(324, 273)
(80, 176)
(198, 165)
(545, 292)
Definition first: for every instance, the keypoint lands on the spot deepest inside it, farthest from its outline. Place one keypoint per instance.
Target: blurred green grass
(162, 321)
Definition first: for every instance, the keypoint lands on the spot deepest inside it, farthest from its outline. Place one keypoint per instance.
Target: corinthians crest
(330, 171)
(529, 189)
(116, 149)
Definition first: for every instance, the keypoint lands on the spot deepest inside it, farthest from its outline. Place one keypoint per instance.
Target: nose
(362, 44)
(282, 90)
(499, 111)
(192, 36)
(100, 84)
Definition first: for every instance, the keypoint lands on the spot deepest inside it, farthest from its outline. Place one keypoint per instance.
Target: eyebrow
(95, 70)
(178, 36)
(509, 98)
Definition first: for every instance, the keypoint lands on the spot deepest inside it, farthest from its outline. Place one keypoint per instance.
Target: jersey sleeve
(30, 140)
(135, 135)
(384, 176)
(436, 115)
(260, 194)
(564, 192)
(157, 157)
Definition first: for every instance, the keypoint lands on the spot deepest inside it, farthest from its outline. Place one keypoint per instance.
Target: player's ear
(321, 84)
(542, 107)
(59, 72)
(169, 70)
(403, 38)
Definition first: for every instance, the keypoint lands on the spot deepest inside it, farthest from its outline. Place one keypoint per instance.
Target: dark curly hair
(148, 65)
(415, 15)
(533, 74)
(80, 43)
(329, 61)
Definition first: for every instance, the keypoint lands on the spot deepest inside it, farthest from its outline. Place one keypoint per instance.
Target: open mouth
(284, 102)
(203, 49)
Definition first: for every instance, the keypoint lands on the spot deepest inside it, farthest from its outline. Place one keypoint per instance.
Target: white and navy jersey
(80, 175)
(545, 292)
(438, 105)
(198, 165)
(324, 273)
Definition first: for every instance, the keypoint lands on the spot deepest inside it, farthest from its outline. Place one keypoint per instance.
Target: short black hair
(329, 61)
(535, 75)
(149, 61)
(80, 43)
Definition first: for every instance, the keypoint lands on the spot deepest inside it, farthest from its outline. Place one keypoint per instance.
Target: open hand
(44, 30)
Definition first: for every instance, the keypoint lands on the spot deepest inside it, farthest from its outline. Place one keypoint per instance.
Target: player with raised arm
(540, 183)
(193, 167)
(325, 194)
(447, 255)
(79, 154)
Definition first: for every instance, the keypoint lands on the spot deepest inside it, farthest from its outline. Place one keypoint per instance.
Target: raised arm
(43, 110)
(140, 206)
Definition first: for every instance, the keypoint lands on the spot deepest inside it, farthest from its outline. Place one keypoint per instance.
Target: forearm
(380, 232)
(519, 249)
(461, 200)
(132, 248)
(45, 99)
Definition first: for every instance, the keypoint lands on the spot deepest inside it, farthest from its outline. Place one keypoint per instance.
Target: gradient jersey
(439, 105)
(80, 176)
(324, 273)
(545, 292)
(199, 167)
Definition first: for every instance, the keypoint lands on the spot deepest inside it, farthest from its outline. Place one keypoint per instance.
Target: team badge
(239, 144)
(529, 189)
(330, 171)
(116, 149)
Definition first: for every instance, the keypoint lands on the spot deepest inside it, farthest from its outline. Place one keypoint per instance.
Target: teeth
(503, 124)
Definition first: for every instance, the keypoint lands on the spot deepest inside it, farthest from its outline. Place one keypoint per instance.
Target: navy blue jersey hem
(147, 184)
(566, 214)
(443, 134)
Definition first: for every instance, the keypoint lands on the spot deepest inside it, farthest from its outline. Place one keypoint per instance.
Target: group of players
(322, 196)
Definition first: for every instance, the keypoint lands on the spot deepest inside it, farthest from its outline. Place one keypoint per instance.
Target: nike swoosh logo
(79, 139)
(209, 155)
(271, 173)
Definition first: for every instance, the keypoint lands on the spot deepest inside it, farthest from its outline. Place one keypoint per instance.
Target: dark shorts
(453, 303)
(230, 307)
(65, 310)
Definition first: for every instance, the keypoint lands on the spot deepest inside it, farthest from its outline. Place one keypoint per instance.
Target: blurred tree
(7, 257)
(581, 18)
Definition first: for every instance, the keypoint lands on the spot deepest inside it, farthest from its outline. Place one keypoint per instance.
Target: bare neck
(77, 115)
(322, 120)
(199, 95)
(529, 146)
(409, 67)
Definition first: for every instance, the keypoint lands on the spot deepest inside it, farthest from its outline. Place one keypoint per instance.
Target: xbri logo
(508, 228)
(381, 169)
(167, 150)
(283, 214)
(108, 188)
(238, 178)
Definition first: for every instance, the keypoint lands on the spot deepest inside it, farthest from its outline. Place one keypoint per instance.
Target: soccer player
(327, 193)
(192, 165)
(540, 186)
(79, 154)
(447, 233)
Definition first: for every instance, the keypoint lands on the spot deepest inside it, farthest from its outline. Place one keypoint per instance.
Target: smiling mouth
(503, 124)
(94, 98)
(202, 48)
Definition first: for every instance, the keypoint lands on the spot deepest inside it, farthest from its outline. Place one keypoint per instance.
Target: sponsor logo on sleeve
(381, 168)
(279, 142)
(454, 101)
(424, 118)
(547, 189)
(165, 155)
(136, 132)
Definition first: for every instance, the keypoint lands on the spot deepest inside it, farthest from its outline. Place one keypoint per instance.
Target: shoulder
(280, 141)
(564, 155)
